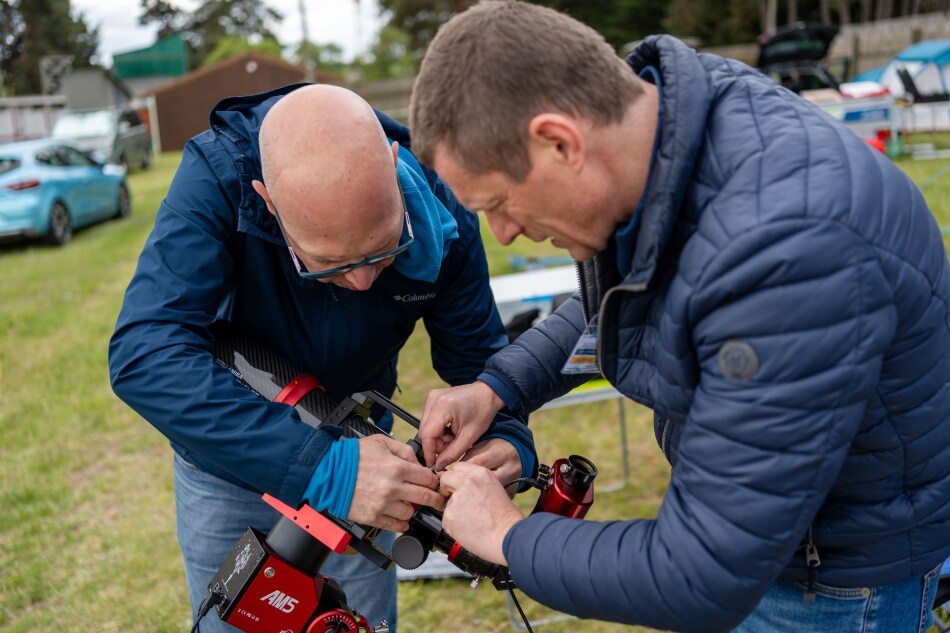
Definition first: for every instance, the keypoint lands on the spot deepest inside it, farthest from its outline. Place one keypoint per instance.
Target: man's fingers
(482, 459)
(391, 524)
(421, 476)
(453, 451)
(438, 502)
(423, 496)
(401, 511)
(398, 449)
(431, 446)
(452, 479)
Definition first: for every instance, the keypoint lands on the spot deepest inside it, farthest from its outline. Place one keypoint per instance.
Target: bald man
(302, 218)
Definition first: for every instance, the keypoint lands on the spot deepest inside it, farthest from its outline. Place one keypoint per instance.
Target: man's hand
(388, 482)
(453, 419)
(500, 457)
(479, 513)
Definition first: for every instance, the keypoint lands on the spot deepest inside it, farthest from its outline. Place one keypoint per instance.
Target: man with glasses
(301, 217)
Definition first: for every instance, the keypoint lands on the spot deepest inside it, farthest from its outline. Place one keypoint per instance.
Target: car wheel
(60, 226)
(147, 159)
(123, 207)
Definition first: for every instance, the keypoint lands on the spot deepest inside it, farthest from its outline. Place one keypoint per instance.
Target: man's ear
(557, 138)
(262, 192)
(395, 149)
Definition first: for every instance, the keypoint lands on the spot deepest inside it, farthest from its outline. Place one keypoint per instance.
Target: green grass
(87, 538)
(934, 176)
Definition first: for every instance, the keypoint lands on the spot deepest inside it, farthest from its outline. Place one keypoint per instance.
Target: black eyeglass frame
(342, 270)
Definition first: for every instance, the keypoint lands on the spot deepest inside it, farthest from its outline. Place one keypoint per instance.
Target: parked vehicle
(48, 188)
(794, 56)
(115, 135)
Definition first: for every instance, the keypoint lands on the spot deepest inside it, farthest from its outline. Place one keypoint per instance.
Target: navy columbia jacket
(217, 253)
(785, 315)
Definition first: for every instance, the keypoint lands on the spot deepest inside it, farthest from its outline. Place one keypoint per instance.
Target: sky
(353, 25)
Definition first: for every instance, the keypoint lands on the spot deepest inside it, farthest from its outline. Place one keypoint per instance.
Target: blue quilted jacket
(216, 253)
(786, 317)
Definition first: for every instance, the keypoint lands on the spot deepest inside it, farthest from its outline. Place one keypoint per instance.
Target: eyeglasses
(340, 270)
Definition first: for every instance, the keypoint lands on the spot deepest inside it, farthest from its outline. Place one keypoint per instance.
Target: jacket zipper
(812, 561)
(582, 288)
(663, 437)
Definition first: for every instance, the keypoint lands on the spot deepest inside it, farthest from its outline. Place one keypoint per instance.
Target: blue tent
(875, 74)
(928, 63)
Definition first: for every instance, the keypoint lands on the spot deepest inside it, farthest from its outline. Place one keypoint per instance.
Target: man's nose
(505, 230)
(361, 278)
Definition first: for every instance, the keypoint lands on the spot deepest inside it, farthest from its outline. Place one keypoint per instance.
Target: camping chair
(913, 97)
(914, 94)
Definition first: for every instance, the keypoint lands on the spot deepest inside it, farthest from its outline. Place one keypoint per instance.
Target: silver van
(114, 135)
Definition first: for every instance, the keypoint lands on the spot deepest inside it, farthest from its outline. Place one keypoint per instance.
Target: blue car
(48, 188)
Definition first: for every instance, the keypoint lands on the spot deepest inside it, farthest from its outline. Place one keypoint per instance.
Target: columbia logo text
(409, 298)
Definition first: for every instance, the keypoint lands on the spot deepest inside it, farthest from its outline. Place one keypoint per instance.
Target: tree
(844, 12)
(390, 57)
(716, 22)
(32, 29)
(232, 45)
(326, 57)
(213, 21)
(420, 19)
(619, 21)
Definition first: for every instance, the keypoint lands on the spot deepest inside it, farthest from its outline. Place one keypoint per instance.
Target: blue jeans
(212, 516)
(901, 607)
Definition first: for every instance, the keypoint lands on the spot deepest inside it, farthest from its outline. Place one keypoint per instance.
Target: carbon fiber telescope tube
(270, 375)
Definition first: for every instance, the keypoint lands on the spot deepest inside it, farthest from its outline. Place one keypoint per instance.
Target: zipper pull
(811, 555)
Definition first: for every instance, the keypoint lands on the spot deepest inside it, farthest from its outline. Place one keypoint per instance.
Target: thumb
(454, 450)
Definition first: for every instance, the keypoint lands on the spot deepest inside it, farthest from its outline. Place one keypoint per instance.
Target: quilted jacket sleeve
(159, 356)
(527, 373)
(758, 452)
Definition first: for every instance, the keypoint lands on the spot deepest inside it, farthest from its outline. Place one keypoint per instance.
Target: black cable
(519, 480)
(511, 591)
(213, 598)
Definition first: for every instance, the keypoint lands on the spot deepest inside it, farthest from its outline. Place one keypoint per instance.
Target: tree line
(31, 29)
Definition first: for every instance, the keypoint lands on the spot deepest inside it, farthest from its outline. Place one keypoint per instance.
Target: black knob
(409, 552)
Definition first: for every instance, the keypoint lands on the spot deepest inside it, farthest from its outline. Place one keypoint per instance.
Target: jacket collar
(687, 96)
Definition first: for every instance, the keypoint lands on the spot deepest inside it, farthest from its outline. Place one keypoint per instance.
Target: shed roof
(226, 65)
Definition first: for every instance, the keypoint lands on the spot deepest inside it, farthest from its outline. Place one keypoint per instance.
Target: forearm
(621, 572)
(202, 408)
(527, 374)
(160, 354)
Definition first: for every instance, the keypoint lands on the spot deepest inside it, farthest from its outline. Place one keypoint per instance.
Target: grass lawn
(87, 538)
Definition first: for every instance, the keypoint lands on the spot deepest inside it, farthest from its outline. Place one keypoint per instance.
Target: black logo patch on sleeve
(738, 360)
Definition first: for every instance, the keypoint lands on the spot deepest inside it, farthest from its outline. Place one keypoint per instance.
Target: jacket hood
(686, 98)
(236, 122)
